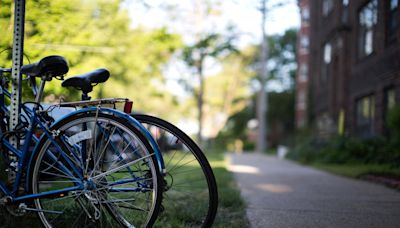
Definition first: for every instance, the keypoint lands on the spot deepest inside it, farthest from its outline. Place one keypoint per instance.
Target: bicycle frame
(23, 161)
(138, 125)
(34, 124)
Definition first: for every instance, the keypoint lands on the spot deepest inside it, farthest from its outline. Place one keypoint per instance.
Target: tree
(282, 58)
(228, 91)
(282, 66)
(93, 34)
(210, 46)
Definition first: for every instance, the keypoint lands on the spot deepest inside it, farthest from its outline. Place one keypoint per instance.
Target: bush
(345, 150)
(393, 123)
(350, 150)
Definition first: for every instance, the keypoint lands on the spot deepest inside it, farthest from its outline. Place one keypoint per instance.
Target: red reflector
(128, 107)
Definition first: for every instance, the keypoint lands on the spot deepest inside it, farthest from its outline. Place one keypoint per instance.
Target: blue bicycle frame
(24, 162)
(36, 123)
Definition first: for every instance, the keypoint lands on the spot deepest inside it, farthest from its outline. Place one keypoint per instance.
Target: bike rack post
(16, 77)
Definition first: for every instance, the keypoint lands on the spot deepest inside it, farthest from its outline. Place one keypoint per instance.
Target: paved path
(280, 193)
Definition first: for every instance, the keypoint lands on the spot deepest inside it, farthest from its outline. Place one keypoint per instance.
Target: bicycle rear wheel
(102, 172)
(190, 195)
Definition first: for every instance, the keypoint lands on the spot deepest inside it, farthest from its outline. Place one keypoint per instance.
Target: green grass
(359, 170)
(183, 210)
(231, 208)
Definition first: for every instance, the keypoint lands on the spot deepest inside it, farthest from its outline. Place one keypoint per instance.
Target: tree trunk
(200, 102)
(262, 105)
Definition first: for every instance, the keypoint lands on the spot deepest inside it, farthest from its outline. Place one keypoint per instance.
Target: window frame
(392, 15)
(327, 7)
(326, 63)
(364, 30)
(364, 122)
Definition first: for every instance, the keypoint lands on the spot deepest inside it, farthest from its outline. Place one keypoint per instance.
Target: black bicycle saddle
(52, 66)
(85, 82)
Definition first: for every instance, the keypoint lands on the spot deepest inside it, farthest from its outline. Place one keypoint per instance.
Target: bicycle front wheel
(190, 195)
(96, 170)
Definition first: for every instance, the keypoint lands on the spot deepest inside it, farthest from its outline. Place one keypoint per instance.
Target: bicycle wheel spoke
(191, 189)
(105, 147)
(120, 177)
(181, 165)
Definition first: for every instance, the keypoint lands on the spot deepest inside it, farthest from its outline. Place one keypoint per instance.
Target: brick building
(353, 64)
(303, 45)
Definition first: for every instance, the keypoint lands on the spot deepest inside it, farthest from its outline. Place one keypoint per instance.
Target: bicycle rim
(190, 197)
(119, 177)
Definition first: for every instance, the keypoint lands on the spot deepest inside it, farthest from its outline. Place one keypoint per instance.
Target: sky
(180, 16)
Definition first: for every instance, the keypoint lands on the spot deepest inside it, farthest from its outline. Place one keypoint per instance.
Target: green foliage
(231, 208)
(280, 118)
(93, 34)
(282, 58)
(393, 123)
(359, 170)
(345, 150)
(351, 150)
(210, 46)
(236, 129)
(280, 114)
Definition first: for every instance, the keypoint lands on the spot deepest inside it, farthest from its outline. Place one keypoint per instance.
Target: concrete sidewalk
(280, 193)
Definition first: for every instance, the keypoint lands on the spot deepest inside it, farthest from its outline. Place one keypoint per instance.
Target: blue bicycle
(190, 188)
(94, 167)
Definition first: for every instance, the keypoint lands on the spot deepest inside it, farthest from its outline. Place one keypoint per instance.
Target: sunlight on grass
(183, 210)
(231, 209)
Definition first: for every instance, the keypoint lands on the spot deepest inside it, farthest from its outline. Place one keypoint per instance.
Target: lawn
(359, 170)
(231, 210)
(185, 212)
(379, 173)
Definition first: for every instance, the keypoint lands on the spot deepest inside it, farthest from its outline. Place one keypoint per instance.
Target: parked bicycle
(93, 167)
(96, 166)
(188, 177)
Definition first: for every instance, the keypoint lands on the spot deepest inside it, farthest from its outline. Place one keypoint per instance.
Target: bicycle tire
(198, 161)
(104, 180)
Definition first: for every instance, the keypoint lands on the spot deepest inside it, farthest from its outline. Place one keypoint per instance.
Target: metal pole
(17, 58)
(262, 105)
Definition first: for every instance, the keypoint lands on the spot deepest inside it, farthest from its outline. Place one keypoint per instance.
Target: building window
(305, 14)
(327, 7)
(301, 99)
(327, 58)
(389, 100)
(304, 42)
(345, 11)
(303, 69)
(327, 53)
(368, 18)
(365, 113)
(303, 72)
(392, 20)
(389, 103)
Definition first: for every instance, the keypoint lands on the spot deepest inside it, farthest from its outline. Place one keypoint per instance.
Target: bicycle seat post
(39, 94)
(43, 80)
(85, 96)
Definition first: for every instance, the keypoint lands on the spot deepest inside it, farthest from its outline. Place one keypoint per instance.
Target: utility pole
(17, 57)
(262, 105)
(200, 15)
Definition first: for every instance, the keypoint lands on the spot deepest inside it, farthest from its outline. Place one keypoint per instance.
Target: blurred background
(320, 80)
